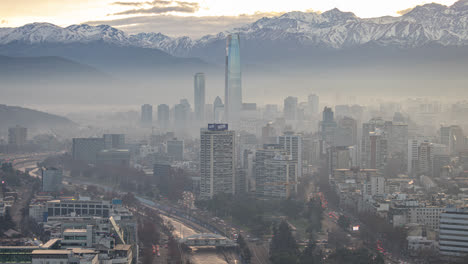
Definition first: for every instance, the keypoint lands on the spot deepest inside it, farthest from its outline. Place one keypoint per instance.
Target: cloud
(177, 26)
(153, 3)
(3, 21)
(159, 7)
(405, 11)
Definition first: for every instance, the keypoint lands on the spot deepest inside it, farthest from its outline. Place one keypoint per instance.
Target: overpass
(207, 239)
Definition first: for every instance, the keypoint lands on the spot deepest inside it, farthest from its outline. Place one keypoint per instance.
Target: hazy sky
(174, 17)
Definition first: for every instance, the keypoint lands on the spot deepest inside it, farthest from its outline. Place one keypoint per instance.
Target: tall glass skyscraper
(199, 96)
(233, 88)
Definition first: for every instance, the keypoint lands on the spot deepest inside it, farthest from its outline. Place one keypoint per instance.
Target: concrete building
(290, 108)
(17, 136)
(328, 126)
(453, 234)
(116, 157)
(292, 143)
(114, 141)
(78, 207)
(87, 149)
(147, 114)
(175, 149)
(313, 104)
(281, 177)
(218, 110)
(163, 116)
(51, 180)
(217, 160)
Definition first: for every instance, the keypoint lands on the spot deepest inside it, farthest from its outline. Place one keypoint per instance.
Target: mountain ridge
(423, 25)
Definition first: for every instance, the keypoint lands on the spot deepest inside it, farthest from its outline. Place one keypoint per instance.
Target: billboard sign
(217, 127)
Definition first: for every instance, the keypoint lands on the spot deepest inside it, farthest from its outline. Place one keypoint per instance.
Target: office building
(292, 143)
(268, 152)
(233, 82)
(453, 232)
(114, 141)
(51, 180)
(175, 149)
(87, 149)
(313, 104)
(114, 157)
(328, 126)
(290, 108)
(218, 110)
(346, 132)
(199, 96)
(425, 159)
(17, 136)
(217, 161)
(281, 177)
(78, 207)
(268, 134)
(161, 171)
(147, 114)
(163, 116)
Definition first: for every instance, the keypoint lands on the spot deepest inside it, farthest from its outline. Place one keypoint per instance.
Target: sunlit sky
(15, 13)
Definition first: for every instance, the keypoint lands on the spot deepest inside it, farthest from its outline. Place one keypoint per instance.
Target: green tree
(283, 247)
(344, 222)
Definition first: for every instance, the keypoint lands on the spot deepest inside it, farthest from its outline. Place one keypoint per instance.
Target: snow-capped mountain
(424, 25)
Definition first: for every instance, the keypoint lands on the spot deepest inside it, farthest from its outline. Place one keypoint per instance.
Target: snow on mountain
(427, 24)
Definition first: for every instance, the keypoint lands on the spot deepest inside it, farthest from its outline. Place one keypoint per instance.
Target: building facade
(217, 161)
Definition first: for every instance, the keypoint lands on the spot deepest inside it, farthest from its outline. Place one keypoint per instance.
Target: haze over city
(214, 132)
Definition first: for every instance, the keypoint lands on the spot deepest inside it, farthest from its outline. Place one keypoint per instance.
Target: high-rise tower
(233, 85)
(199, 96)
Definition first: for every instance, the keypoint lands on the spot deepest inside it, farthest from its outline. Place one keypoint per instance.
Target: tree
(283, 247)
(244, 249)
(311, 254)
(344, 222)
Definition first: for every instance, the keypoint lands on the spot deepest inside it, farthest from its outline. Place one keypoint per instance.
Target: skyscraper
(290, 108)
(163, 116)
(146, 114)
(233, 85)
(218, 110)
(217, 161)
(313, 104)
(328, 126)
(199, 96)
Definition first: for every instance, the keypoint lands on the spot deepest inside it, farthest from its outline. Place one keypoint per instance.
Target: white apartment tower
(217, 161)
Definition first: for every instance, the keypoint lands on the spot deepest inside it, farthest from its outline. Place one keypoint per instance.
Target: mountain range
(430, 24)
(415, 53)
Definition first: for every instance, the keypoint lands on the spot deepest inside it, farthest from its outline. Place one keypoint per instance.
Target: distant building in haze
(218, 110)
(199, 96)
(87, 149)
(233, 81)
(163, 116)
(313, 104)
(147, 114)
(114, 141)
(17, 136)
(290, 108)
(175, 149)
